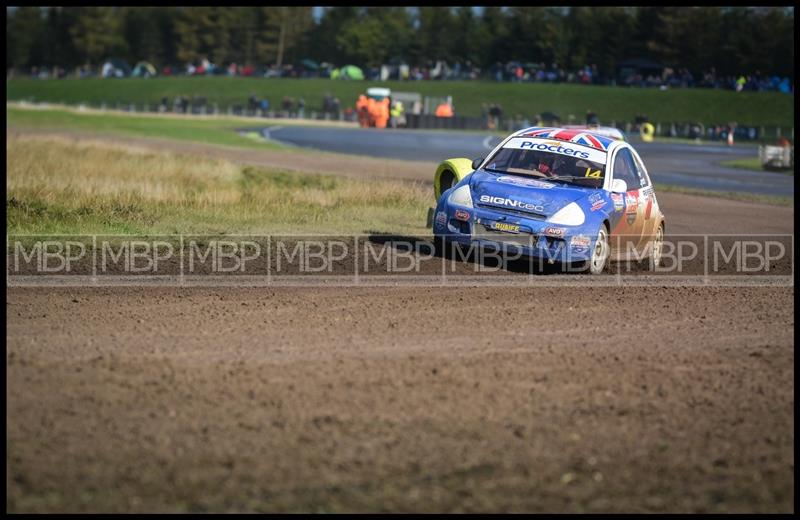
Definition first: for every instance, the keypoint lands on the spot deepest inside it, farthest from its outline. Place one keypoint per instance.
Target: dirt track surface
(407, 400)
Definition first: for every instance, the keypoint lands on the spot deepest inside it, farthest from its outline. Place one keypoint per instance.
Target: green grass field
(221, 131)
(610, 103)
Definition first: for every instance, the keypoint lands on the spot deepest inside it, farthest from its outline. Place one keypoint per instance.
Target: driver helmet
(549, 163)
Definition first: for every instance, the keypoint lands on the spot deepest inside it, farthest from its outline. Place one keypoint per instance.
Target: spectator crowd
(512, 71)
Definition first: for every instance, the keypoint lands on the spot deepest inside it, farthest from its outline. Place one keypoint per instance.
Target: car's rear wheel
(658, 248)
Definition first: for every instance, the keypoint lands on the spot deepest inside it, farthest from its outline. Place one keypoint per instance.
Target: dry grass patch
(62, 185)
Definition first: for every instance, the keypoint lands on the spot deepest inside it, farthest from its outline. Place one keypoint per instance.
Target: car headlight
(461, 197)
(569, 215)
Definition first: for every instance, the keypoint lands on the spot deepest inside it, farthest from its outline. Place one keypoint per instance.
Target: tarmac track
(687, 165)
(587, 398)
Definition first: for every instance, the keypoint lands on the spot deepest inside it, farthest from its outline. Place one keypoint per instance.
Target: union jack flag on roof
(583, 137)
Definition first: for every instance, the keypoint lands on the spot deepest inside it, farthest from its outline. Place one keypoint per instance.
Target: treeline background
(732, 40)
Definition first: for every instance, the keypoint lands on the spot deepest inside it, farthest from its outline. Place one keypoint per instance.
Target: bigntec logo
(511, 203)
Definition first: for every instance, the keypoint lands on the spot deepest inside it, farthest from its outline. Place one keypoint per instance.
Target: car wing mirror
(619, 186)
(476, 162)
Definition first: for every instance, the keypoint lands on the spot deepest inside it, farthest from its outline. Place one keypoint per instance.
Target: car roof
(608, 131)
(577, 135)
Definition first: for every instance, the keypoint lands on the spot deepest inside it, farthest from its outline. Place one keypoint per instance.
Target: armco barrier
(682, 129)
(450, 123)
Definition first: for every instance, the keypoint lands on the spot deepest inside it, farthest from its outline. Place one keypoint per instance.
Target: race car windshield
(554, 166)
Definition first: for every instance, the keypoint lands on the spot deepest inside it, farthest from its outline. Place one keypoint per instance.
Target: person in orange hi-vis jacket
(372, 111)
(382, 113)
(444, 110)
(361, 110)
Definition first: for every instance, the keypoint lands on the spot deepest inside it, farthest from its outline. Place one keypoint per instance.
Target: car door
(647, 203)
(627, 234)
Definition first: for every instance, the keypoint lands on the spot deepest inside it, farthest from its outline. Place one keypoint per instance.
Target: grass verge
(730, 195)
(55, 186)
(754, 164)
(221, 131)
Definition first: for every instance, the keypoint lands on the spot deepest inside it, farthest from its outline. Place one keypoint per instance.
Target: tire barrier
(647, 131)
(449, 173)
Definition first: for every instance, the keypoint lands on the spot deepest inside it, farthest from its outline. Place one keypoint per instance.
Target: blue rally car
(563, 195)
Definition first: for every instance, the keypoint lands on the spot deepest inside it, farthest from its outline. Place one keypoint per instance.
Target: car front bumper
(513, 234)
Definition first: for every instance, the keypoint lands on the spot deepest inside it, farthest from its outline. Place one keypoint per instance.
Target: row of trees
(733, 40)
(76, 36)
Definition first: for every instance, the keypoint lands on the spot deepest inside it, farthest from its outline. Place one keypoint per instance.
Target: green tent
(349, 72)
(144, 69)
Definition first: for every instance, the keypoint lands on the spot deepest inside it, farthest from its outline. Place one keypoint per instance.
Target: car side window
(645, 178)
(625, 169)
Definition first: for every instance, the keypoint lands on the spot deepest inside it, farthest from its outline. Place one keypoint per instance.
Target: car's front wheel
(444, 248)
(600, 253)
